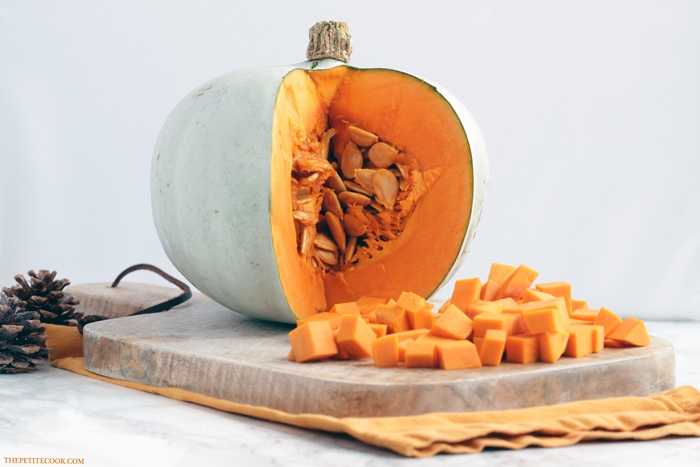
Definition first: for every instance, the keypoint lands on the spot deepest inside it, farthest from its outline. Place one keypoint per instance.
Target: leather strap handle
(164, 306)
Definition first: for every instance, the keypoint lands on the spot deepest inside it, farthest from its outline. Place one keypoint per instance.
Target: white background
(590, 111)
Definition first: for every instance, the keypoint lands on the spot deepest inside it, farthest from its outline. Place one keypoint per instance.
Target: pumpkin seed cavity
(346, 207)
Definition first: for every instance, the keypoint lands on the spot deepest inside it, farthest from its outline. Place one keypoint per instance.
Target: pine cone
(22, 336)
(45, 294)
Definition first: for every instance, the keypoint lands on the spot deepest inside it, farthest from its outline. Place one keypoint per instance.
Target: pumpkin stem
(329, 39)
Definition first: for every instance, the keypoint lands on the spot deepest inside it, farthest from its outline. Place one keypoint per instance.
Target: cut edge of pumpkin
(415, 117)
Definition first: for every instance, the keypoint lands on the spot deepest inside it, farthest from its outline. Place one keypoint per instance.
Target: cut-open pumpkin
(371, 182)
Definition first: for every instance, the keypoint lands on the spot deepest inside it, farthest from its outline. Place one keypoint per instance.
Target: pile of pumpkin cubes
(503, 319)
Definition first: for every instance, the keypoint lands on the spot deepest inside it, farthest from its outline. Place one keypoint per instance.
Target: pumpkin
(281, 191)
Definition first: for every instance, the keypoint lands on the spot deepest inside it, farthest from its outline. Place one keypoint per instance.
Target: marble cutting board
(205, 348)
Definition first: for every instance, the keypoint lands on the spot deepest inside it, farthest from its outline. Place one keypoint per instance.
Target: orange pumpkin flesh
(412, 116)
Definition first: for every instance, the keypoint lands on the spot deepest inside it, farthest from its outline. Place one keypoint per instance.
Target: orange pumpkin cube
(465, 292)
(457, 355)
(522, 348)
(355, 337)
(420, 354)
(558, 289)
(350, 308)
(312, 340)
(515, 284)
(452, 324)
(580, 341)
(393, 316)
(607, 319)
(385, 351)
(552, 345)
(492, 347)
(632, 331)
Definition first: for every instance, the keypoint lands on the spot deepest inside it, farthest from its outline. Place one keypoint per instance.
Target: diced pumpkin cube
(355, 337)
(499, 272)
(385, 351)
(380, 330)
(533, 295)
(543, 319)
(420, 354)
(492, 347)
(411, 301)
(489, 290)
(420, 319)
(393, 316)
(452, 324)
(585, 315)
(465, 292)
(552, 345)
(632, 331)
(482, 306)
(578, 304)
(580, 341)
(312, 340)
(608, 320)
(456, 355)
(558, 289)
(511, 323)
(597, 337)
(557, 303)
(350, 308)
(515, 284)
(522, 348)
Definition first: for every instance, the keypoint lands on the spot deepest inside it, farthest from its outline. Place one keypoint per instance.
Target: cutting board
(203, 347)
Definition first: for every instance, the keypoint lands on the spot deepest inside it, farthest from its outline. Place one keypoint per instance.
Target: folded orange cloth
(675, 412)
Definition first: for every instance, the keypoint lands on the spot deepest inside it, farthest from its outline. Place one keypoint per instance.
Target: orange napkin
(675, 412)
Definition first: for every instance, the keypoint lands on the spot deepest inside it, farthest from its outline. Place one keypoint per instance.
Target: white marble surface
(55, 413)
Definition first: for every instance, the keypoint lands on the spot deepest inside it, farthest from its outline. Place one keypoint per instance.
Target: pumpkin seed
(307, 238)
(335, 183)
(356, 187)
(331, 203)
(328, 257)
(351, 160)
(350, 250)
(303, 217)
(364, 178)
(386, 187)
(309, 180)
(361, 137)
(324, 242)
(336, 229)
(305, 198)
(351, 198)
(382, 155)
